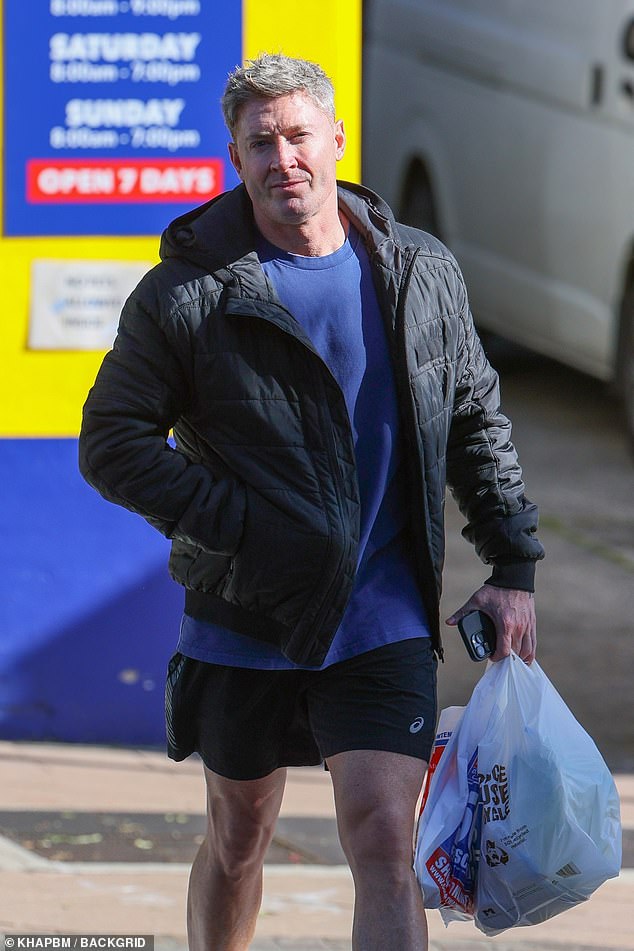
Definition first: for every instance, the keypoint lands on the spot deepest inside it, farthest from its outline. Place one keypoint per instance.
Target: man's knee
(376, 794)
(238, 842)
(380, 837)
(241, 822)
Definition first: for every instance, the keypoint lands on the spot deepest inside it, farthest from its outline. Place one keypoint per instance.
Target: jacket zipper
(226, 581)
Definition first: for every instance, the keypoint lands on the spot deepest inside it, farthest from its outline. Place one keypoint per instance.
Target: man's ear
(340, 139)
(235, 158)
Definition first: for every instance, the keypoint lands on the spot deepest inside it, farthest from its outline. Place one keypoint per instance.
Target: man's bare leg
(225, 885)
(375, 798)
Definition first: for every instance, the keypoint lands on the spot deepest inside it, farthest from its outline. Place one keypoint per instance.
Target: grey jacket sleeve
(484, 473)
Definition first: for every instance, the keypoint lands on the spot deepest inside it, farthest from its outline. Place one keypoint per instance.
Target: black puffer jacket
(260, 495)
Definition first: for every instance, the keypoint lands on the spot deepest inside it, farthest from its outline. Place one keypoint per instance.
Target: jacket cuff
(517, 574)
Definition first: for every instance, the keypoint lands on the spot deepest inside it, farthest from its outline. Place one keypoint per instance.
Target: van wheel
(417, 206)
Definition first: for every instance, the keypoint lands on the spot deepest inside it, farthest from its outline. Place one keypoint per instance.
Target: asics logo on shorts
(417, 725)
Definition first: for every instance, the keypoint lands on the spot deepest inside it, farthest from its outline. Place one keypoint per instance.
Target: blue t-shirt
(334, 300)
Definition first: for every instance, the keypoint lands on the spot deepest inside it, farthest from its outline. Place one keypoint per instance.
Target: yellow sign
(42, 391)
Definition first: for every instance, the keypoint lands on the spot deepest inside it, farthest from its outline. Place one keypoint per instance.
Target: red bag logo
(454, 863)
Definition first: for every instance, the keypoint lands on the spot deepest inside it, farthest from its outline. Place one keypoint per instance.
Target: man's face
(285, 152)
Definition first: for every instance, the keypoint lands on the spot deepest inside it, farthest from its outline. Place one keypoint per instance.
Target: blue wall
(88, 614)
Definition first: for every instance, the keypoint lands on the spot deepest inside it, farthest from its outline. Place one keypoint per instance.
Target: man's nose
(283, 156)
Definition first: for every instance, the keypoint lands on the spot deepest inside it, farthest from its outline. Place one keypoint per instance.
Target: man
(320, 370)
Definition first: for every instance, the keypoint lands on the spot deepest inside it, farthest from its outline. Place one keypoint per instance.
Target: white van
(506, 127)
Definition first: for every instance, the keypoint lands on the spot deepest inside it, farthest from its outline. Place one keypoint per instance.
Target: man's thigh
(376, 794)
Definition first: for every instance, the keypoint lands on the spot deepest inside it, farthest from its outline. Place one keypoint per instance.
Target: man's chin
(292, 211)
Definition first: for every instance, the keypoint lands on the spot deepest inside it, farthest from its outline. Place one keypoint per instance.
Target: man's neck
(307, 239)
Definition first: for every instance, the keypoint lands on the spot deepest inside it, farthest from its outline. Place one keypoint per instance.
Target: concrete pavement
(56, 882)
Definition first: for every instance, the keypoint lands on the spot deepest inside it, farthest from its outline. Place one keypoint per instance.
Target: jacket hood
(223, 230)
(214, 234)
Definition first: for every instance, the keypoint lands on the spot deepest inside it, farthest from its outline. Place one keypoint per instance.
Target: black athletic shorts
(246, 723)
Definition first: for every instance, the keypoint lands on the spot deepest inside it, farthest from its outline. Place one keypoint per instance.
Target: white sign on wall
(75, 305)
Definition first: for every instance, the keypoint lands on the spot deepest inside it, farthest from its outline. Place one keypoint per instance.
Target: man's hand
(513, 613)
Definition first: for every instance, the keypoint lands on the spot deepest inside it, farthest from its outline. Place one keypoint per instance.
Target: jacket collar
(222, 232)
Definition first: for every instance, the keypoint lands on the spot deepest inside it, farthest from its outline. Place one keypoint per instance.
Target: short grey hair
(270, 76)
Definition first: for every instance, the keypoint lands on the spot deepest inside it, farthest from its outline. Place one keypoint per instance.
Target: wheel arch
(625, 320)
(418, 171)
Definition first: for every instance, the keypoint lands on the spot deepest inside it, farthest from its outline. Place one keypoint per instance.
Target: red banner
(123, 180)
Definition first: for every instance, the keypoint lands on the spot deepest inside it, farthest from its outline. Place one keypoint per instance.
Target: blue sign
(112, 117)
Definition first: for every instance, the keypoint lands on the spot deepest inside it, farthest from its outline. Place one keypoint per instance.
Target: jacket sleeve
(484, 474)
(141, 390)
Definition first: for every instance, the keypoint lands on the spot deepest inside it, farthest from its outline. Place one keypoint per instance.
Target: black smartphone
(478, 633)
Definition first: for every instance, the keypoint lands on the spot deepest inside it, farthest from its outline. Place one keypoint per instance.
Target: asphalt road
(579, 469)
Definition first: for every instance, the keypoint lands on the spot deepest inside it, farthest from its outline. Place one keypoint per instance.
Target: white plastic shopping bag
(522, 818)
